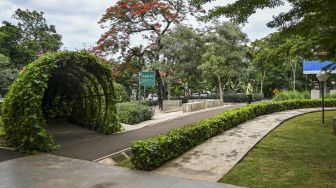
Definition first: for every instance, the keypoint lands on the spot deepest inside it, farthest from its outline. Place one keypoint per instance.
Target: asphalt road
(80, 143)
(6, 154)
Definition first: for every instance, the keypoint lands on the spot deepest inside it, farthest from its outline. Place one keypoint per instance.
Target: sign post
(147, 79)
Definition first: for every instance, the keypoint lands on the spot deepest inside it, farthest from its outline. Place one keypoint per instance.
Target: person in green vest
(249, 91)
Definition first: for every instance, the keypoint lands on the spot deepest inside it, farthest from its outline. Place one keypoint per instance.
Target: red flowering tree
(130, 19)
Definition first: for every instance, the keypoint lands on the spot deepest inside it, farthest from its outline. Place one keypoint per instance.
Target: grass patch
(291, 95)
(299, 153)
(126, 164)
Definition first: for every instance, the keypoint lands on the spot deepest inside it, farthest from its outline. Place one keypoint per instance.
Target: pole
(139, 89)
(144, 91)
(323, 102)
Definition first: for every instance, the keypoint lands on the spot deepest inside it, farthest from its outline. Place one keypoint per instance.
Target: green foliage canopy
(8, 74)
(313, 19)
(22, 42)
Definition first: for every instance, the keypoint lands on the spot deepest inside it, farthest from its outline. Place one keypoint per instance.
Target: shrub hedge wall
(78, 77)
(120, 93)
(153, 152)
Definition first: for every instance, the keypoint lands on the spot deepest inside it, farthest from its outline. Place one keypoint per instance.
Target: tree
(127, 73)
(182, 50)
(262, 63)
(225, 52)
(293, 50)
(150, 19)
(23, 42)
(10, 38)
(314, 19)
(8, 73)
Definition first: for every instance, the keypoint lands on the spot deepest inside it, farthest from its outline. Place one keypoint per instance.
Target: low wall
(169, 104)
(201, 104)
(172, 102)
(213, 103)
(193, 106)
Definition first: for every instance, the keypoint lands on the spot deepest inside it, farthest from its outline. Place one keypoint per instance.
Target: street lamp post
(322, 77)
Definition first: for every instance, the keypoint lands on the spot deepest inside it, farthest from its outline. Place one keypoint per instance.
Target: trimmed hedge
(153, 152)
(133, 112)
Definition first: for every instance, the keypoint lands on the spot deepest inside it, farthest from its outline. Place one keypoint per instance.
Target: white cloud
(76, 20)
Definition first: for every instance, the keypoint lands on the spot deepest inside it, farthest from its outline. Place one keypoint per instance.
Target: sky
(77, 20)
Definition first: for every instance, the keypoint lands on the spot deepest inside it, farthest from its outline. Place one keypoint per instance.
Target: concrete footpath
(46, 171)
(211, 160)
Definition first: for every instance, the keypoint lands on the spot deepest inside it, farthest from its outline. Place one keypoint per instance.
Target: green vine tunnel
(76, 85)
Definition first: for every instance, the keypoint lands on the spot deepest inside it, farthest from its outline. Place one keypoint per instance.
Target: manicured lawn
(299, 153)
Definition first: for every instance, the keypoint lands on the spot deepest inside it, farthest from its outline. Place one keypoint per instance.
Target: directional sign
(147, 79)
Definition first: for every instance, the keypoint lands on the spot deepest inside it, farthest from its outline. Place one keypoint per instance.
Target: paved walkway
(44, 171)
(211, 160)
(80, 143)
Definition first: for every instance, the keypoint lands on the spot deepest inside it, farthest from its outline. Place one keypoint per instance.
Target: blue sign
(314, 67)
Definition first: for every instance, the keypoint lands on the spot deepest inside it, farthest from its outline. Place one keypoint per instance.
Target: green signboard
(147, 79)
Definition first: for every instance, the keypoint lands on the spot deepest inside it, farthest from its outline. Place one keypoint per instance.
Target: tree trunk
(168, 90)
(139, 89)
(160, 88)
(229, 85)
(220, 88)
(262, 82)
(294, 74)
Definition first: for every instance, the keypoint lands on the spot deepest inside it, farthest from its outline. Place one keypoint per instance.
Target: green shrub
(153, 152)
(134, 112)
(330, 96)
(241, 97)
(120, 93)
(291, 95)
(2, 132)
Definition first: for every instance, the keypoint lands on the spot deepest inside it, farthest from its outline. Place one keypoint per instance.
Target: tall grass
(291, 95)
(330, 96)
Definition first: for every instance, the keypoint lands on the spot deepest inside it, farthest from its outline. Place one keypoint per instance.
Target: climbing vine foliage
(75, 85)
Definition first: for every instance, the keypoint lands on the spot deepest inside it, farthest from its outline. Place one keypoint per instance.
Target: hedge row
(133, 112)
(153, 152)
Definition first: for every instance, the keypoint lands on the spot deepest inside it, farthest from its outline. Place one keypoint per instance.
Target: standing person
(249, 91)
